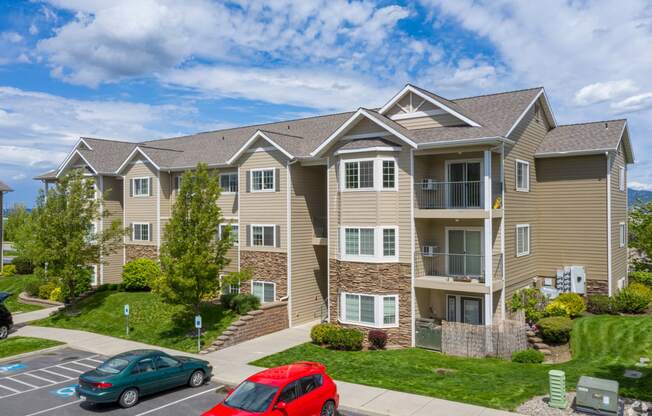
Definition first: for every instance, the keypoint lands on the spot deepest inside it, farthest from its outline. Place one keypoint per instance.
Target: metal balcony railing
(431, 194)
(319, 226)
(463, 267)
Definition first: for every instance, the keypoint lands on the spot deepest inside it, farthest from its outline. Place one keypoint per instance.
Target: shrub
(347, 339)
(528, 356)
(322, 334)
(555, 329)
(573, 303)
(631, 300)
(556, 308)
(46, 289)
(56, 295)
(32, 286)
(241, 303)
(108, 286)
(9, 270)
(642, 289)
(377, 339)
(600, 304)
(23, 265)
(531, 301)
(140, 274)
(642, 277)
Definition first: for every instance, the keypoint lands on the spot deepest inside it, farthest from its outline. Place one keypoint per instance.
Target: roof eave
(465, 142)
(568, 153)
(258, 134)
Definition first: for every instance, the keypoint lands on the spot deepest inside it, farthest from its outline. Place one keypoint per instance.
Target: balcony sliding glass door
(464, 252)
(464, 190)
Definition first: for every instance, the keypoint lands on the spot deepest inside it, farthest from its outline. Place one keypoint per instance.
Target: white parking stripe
(178, 401)
(9, 388)
(15, 380)
(40, 378)
(40, 412)
(85, 365)
(70, 369)
(90, 359)
(56, 374)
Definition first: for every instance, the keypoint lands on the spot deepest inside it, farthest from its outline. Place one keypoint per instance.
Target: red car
(299, 389)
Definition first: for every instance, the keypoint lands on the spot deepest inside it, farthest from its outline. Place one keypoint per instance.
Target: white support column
(488, 239)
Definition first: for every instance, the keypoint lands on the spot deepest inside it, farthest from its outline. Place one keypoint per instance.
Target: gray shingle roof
(4, 187)
(366, 143)
(52, 174)
(574, 138)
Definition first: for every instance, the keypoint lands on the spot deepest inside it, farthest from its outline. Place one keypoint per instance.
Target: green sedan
(130, 375)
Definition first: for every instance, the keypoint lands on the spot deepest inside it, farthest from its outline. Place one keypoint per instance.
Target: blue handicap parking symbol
(67, 391)
(11, 368)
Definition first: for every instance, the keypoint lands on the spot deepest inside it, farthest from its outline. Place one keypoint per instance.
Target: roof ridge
(159, 148)
(495, 93)
(107, 140)
(590, 122)
(281, 134)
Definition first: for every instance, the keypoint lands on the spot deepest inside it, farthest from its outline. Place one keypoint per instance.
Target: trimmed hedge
(377, 339)
(573, 303)
(555, 329)
(320, 334)
(336, 337)
(528, 356)
(632, 299)
(140, 274)
(240, 303)
(600, 304)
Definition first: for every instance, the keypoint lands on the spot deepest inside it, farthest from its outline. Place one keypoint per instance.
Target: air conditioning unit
(429, 251)
(428, 185)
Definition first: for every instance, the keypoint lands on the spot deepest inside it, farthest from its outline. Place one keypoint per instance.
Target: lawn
(150, 321)
(602, 346)
(18, 345)
(16, 284)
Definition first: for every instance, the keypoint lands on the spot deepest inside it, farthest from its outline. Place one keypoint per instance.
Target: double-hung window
(380, 311)
(522, 176)
(389, 174)
(265, 291)
(522, 240)
(229, 182)
(140, 186)
(370, 243)
(263, 180)
(369, 174)
(359, 241)
(263, 235)
(140, 232)
(622, 234)
(234, 232)
(177, 182)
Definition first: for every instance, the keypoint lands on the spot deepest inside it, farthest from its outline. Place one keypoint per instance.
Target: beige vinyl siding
(572, 215)
(232, 254)
(521, 207)
(308, 264)
(437, 120)
(371, 208)
(263, 207)
(112, 268)
(618, 215)
(229, 201)
(141, 209)
(366, 126)
(165, 180)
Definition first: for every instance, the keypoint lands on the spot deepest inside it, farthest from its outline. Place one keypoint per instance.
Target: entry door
(464, 185)
(464, 252)
(472, 311)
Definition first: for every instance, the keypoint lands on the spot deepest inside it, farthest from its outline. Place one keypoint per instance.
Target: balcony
(462, 199)
(451, 271)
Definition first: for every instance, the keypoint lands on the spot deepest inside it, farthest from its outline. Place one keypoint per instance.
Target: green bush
(9, 270)
(140, 274)
(32, 286)
(23, 265)
(321, 334)
(528, 356)
(531, 301)
(573, 303)
(556, 308)
(108, 286)
(600, 304)
(56, 295)
(555, 329)
(240, 303)
(644, 277)
(347, 339)
(632, 300)
(46, 289)
(642, 289)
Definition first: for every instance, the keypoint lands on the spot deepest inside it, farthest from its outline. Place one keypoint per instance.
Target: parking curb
(31, 353)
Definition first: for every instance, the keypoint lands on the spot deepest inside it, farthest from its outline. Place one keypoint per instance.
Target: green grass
(602, 346)
(151, 321)
(16, 284)
(18, 345)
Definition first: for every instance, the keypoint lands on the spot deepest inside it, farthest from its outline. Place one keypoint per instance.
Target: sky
(144, 69)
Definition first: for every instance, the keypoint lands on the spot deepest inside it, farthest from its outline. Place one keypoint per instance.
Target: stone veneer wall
(594, 287)
(375, 279)
(271, 317)
(137, 251)
(270, 266)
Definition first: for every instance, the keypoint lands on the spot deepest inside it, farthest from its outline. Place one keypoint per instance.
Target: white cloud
(634, 103)
(604, 91)
(639, 186)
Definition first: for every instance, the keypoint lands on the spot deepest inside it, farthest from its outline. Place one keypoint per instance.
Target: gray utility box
(597, 396)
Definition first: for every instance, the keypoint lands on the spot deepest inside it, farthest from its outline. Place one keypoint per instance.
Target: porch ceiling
(443, 283)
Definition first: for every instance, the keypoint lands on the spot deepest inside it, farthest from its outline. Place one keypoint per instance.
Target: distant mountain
(636, 196)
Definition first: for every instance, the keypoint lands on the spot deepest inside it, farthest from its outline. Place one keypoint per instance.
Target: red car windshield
(251, 397)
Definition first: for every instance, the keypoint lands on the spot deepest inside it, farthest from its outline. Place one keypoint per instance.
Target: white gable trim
(81, 140)
(410, 89)
(69, 158)
(368, 149)
(258, 134)
(624, 140)
(349, 123)
(132, 154)
(520, 118)
(71, 154)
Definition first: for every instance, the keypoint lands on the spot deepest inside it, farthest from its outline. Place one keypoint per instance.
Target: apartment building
(426, 207)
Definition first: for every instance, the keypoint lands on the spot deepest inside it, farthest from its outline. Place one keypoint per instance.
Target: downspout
(609, 249)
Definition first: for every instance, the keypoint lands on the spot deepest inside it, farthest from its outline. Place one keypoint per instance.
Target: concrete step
(534, 340)
(540, 346)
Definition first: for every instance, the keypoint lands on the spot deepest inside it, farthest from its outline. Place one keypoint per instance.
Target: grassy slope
(18, 345)
(16, 284)
(150, 321)
(603, 347)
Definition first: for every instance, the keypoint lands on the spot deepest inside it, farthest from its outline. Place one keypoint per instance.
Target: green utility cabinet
(557, 380)
(597, 396)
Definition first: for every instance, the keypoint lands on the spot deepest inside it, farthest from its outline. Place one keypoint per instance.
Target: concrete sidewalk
(26, 317)
(231, 367)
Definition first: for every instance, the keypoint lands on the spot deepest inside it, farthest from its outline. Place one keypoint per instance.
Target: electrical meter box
(597, 396)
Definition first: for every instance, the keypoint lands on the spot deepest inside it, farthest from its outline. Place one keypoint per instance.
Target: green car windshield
(251, 397)
(113, 366)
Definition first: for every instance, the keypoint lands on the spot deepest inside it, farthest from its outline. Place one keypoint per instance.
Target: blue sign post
(127, 317)
(198, 326)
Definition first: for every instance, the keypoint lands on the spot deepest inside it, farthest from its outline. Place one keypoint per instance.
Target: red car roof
(279, 376)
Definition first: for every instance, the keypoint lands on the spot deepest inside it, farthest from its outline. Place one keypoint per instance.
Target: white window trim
(377, 172)
(622, 234)
(458, 306)
(251, 180)
(232, 224)
(529, 235)
(225, 192)
(378, 256)
(95, 276)
(149, 185)
(264, 282)
(378, 310)
(251, 234)
(133, 231)
(526, 173)
(621, 178)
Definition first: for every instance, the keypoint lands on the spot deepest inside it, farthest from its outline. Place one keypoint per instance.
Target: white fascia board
(368, 149)
(251, 140)
(81, 140)
(69, 158)
(573, 153)
(518, 120)
(629, 152)
(466, 142)
(132, 154)
(552, 114)
(410, 88)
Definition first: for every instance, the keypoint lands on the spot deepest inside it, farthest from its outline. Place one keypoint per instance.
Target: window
(234, 232)
(165, 362)
(140, 232)
(359, 174)
(310, 383)
(93, 270)
(468, 310)
(140, 186)
(369, 310)
(229, 182)
(389, 242)
(370, 243)
(522, 240)
(621, 178)
(522, 176)
(144, 366)
(177, 182)
(263, 235)
(263, 180)
(623, 234)
(359, 241)
(289, 393)
(265, 291)
(389, 174)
